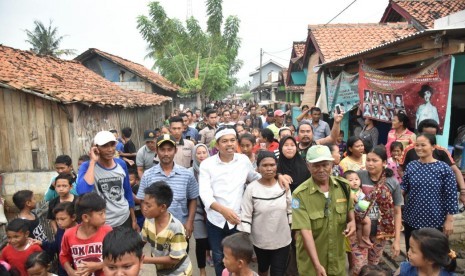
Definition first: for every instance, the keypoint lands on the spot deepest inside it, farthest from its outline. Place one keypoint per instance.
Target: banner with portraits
(421, 94)
(342, 90)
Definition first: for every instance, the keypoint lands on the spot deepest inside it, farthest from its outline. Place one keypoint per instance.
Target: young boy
(63, 164)
(361, 206)
(63, 186)
(25, 202)
(122, 258)
(19, 247)
(81, 247)
(65, 218)
(238, 251)
(164, 232)
(134, 182)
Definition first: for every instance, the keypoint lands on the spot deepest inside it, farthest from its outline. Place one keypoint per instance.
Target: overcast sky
(110, 25)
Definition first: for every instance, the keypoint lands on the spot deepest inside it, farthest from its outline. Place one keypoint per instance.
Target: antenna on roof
(341, 12)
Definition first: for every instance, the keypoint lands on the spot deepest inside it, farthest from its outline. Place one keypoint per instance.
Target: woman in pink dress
(400, 132)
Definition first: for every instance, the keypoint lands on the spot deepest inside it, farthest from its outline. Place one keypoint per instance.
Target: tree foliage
(178, 47)
(46, 41)
(246, 96)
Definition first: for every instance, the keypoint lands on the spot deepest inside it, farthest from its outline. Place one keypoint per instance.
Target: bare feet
(365, 242)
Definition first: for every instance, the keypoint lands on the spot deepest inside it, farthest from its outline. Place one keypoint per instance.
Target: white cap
(104, 137)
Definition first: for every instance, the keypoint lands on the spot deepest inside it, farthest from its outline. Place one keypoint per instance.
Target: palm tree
(46, 41)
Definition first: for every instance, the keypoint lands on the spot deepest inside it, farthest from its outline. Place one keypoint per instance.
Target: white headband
(223, 132)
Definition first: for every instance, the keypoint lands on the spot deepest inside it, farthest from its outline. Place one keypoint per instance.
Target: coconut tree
(45, 40)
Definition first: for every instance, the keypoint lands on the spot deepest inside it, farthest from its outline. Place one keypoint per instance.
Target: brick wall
(137, 86)
(459, 227)
(38, 182)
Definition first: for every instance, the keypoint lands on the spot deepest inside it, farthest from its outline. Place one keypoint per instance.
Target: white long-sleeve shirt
(224, 183)
(266, 214)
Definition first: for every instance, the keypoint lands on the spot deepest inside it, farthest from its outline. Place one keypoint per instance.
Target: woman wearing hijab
(292, 165)
(200, 152)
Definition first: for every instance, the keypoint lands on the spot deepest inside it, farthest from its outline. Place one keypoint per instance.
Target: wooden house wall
(34, 131)
(88, 121)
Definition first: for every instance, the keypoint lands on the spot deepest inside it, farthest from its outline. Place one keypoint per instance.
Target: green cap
(318, 153)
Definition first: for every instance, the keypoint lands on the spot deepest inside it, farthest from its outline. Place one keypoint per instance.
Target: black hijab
(295, 167)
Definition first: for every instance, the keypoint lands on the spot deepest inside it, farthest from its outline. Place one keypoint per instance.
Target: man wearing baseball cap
(323, 214)
(145, 158)
(278, 123)
(181, 180)
(269, 119)
(109, 178)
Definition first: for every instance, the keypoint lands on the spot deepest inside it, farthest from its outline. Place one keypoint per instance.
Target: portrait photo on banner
(420, 94)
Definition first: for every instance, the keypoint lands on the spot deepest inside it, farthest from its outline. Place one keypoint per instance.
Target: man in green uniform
(323, 214)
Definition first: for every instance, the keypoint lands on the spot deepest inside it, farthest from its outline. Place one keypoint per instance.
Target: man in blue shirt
(119, 144)
(188, 133)
(109, 178)
(181, 180)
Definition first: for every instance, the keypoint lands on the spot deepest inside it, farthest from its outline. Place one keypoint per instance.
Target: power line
(341, 12)
(275, 56)
(281, 50)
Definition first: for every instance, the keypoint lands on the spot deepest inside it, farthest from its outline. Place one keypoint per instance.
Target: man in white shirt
(263, 112)
(222, 180)
(227, 119)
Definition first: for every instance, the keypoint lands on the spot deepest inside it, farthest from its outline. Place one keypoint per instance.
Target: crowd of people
(247, 184)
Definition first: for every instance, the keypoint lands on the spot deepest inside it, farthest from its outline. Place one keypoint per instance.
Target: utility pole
(260, 72)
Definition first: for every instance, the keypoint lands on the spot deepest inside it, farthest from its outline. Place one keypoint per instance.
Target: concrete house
(269, 74)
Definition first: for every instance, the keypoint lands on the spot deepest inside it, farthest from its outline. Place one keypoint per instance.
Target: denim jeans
(215, 237)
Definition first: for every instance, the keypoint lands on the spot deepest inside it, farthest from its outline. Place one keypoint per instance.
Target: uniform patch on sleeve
(295, 203)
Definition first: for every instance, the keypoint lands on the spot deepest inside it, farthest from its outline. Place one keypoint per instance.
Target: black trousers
(408, 233)
(274, 260)
(201, 248)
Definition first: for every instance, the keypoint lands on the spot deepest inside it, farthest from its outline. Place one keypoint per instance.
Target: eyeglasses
(327, 211)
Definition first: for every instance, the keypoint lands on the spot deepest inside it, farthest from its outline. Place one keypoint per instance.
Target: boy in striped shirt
(164, 232)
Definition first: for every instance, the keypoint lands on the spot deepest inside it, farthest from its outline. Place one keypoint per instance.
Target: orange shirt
(271, 147)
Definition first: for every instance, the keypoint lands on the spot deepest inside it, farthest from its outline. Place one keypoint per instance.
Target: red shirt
(16, 258)
(271, 147)
(75, 250)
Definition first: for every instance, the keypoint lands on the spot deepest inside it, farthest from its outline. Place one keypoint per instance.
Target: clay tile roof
(65, 81)
(135, 68)
(338, 40)
(426, 11)
(299, 48)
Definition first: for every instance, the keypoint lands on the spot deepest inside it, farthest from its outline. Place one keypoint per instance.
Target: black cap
(166, 138)
(270, 113)
(149, 135)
